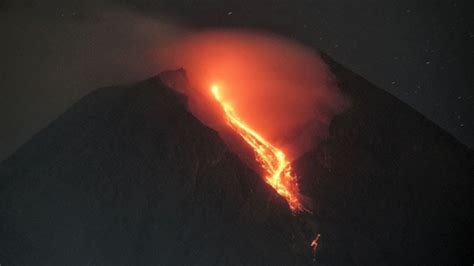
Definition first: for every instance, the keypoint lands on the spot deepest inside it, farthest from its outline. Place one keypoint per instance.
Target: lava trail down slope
(127, 176)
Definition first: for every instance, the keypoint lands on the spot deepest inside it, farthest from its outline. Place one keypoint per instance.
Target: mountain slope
(388, 178)
(128, 177)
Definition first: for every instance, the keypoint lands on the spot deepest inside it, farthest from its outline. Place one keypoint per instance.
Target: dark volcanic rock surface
(128, 177)
(389, 185)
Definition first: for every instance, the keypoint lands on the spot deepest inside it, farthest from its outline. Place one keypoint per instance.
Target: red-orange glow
(277, 168)
(278, 95)
(314, 243)
(266, 77)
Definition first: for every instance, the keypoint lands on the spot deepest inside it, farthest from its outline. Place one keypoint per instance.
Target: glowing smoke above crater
(283, 92)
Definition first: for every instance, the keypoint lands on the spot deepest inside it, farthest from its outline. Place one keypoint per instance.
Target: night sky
(54, 52)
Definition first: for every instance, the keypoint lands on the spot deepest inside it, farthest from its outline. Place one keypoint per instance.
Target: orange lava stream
(277, 168)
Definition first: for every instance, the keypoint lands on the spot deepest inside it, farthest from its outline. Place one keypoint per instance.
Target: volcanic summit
(128, 176)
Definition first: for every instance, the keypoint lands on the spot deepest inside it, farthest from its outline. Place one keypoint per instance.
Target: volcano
(127, 176)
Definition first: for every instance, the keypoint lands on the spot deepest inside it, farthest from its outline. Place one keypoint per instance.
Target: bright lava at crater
(277, 169)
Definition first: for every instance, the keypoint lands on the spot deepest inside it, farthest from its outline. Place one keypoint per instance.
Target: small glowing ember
(277, 168)
(314, 243)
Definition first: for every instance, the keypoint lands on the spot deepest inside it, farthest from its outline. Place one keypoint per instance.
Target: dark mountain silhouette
(128, 177)
(389, 184)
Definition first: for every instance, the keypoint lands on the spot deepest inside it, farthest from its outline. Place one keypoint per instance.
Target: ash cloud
(282, 89)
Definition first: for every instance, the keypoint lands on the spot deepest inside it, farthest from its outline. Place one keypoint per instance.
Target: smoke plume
(282, 89)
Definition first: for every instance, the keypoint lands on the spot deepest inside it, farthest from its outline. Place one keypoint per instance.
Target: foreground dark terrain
(127, 176)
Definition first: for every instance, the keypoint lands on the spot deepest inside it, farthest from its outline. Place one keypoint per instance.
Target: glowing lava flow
(278, 172)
